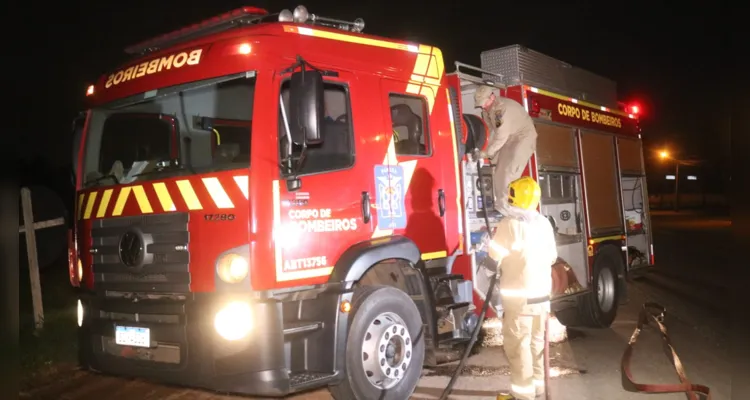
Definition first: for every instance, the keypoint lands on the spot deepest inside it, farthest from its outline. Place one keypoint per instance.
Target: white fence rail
(29, 228)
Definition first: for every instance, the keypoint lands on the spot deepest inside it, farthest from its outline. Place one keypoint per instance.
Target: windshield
(201, 127)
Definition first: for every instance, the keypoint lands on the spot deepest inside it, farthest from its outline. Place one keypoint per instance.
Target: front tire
(385, 346)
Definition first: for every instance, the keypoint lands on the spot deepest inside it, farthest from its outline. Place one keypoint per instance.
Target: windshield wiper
(170, 166)
(101, 178)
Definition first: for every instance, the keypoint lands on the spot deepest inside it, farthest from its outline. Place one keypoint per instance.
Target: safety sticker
(389, 191)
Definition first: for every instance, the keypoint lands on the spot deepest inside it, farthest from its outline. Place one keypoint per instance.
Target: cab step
(299, 381)
(297, 327)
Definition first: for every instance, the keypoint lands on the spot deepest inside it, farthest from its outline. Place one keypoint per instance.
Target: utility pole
(677, 185)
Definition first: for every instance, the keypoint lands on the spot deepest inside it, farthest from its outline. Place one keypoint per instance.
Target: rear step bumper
(187, 351)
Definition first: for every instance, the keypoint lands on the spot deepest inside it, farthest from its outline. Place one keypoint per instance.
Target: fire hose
(653, 312)
(483, 312)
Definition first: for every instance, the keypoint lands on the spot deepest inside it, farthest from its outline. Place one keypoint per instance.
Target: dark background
(667, 59)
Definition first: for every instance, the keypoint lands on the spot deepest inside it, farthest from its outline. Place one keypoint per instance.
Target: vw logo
(131, 249)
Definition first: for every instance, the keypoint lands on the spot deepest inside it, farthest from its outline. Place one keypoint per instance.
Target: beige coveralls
(510, 147)
(524, 246)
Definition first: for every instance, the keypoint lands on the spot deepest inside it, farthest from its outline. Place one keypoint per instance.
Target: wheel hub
(386, 350)
(605, 290)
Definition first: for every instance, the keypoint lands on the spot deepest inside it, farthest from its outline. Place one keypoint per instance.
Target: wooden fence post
(30, 232)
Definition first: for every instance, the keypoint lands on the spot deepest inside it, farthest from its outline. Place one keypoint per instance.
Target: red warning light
(635, 109)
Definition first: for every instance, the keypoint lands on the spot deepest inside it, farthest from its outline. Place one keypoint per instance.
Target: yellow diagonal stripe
(242, 183)
(90, 205)
(122, 198)
(164, 198)
(217, 193)
(188, 194)
(104, 203)
(80, 204)
(143, 203)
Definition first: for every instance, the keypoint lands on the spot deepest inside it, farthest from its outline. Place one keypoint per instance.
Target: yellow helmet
(524, 193)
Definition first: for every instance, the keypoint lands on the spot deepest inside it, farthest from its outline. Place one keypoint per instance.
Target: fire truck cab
(269, 203)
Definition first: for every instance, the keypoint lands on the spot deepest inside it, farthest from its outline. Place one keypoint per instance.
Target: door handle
(366, 207)
(441, 201)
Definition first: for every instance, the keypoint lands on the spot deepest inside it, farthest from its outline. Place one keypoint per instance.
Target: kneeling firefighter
(523, 249)
(510, 145)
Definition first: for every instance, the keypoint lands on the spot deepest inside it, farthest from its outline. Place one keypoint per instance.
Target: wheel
(384, 348)
(598, 308)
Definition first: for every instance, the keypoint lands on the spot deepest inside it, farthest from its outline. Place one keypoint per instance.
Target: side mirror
(306, 107)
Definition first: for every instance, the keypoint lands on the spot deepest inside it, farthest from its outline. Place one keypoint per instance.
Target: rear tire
(386, 326)
(598, 308)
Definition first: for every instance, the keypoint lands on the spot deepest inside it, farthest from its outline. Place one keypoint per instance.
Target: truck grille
(148, 253)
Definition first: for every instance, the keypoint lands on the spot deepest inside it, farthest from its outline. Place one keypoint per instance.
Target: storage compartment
(561, 203)
(600, 175)
(556, 147)
(629, 154)
(636, 221)
(521, 65)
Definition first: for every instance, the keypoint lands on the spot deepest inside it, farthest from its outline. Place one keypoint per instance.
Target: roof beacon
(301, 15)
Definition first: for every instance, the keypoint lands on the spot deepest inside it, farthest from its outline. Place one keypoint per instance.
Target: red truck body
(202, 214)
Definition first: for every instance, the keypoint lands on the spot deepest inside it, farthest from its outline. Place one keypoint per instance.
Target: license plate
(132, 336)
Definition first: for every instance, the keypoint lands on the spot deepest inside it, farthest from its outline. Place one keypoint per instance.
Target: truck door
(418, 165)
(325, 216)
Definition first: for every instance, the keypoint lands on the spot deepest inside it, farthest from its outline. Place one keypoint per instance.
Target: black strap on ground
(653, 312)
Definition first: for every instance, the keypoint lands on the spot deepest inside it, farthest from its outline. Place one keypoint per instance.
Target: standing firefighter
(511, 145)
(524, 250)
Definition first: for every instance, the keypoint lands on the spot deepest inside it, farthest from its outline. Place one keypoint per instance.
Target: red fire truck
(268, 203)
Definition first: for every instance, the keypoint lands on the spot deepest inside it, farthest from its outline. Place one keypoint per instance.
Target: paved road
(586, 366)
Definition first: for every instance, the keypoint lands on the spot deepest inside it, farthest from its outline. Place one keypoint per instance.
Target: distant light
(90, 90)
(692, 178)
(663, 154)
(245, 48)
(670, 177)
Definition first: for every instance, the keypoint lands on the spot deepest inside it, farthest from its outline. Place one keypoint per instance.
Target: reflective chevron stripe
(206, 193)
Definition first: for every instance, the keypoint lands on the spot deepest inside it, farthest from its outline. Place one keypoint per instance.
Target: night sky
(666, 59)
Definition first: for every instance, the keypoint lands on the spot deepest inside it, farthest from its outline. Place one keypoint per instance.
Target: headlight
(234, 321)
(80, 271)
(232, 268)
(80, 313)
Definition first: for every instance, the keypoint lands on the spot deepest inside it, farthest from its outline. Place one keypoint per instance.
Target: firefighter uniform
(524, 248)
(511, 143)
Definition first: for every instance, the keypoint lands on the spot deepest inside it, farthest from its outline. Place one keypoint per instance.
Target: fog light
(80, 313)
(234, 321)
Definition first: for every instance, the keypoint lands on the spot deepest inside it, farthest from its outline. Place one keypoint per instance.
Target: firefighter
(523, 249)
(510, 145)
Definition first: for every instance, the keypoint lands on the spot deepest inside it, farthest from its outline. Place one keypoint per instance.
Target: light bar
(670, 177)
(232, 19)
(692, 178)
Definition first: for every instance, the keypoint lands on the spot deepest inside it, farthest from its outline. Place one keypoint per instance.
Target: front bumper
(185, 348)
